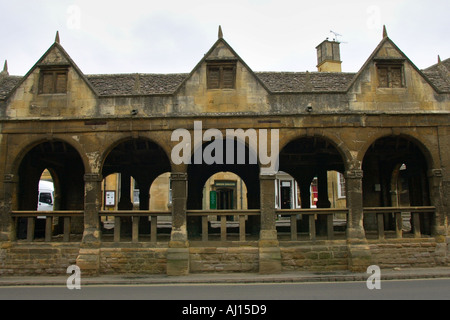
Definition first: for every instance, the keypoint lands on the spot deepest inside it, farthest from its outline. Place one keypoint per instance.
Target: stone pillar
(144, 204)
(89, 255)
(269, 249)
(125, 203)
(125, 192)
(178, 251)
(359, 251)
(322, 201)
(7, 225)
(439, 226)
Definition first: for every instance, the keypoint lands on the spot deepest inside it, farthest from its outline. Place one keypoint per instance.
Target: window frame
(390, 65)
(54, 72)
(222, 82)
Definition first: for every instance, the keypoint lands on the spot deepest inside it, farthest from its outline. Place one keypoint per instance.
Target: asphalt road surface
(434, 289)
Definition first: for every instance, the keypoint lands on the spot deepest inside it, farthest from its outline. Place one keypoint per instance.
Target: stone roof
(136, 84)
(275, 82)
(298, 82)
(7, 84)
(439, 75)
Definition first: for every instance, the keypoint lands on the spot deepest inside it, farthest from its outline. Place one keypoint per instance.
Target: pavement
(228, 278)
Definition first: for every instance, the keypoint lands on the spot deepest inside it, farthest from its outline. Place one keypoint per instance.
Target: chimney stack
(329, 56)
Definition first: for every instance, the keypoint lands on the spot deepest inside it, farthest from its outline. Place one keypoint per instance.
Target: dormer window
(53, 80)
(390, 74)
(221, 75)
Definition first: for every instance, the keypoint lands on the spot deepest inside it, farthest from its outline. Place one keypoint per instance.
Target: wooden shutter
(396, 77)
(213, 78)
(47, 82)
(383, 77)
(53, 80)
(61, 82)
(228, 77)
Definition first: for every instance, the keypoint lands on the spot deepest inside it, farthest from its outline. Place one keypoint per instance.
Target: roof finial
(384, 32)
(439, 59)
(57, 37)
(220, 32)
(5, 68)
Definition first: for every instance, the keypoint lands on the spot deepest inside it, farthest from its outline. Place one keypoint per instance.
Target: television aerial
(336, 35)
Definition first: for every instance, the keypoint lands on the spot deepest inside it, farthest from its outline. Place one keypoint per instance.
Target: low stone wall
(133, 260)
(37, 259)
(405, 253)
(224, 259)
(30, 259)
(322, 256)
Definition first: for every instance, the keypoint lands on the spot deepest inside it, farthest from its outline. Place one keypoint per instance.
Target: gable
(53, 87)
(389, 81)
(210, 88)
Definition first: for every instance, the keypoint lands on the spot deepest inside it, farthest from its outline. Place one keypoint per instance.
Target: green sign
(213, 200)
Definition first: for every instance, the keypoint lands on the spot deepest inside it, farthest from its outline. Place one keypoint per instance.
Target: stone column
(439, 226)
(322, 201)
(7, 225)
(89, 255)
(359, 251)
(125, 203)
(125, 192)
(178, 252)
(269, 249)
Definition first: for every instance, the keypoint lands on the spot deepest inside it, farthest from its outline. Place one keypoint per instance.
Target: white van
(46, 196)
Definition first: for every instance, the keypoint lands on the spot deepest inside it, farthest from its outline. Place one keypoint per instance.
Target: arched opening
(317, 167)
(129, 170)
(395, 175)
(52, 164)
(247, 171)
(225, 191)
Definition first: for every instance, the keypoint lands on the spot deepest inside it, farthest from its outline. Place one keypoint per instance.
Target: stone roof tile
(298, 82)
(7, 84)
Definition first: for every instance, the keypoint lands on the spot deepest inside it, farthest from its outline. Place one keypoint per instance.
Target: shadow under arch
(67, 168)
(141, 159)
(428, 156)
(200, 172)
(394, 164)
(308, 157)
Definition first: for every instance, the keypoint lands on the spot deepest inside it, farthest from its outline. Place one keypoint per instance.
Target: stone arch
(382, 162)
(124, 138)
(68, 170)
(430, 159)
(334, 140)
(199, 173)
(28, 145)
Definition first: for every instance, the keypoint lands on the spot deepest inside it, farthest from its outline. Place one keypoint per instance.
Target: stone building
(384, 129)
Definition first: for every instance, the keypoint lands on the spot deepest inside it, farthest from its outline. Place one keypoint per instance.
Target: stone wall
(405, 253)
(32, 259)
(224, 259)
(326, 256)
(133, 260)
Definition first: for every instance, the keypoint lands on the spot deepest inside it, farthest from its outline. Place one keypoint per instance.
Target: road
(390, 290)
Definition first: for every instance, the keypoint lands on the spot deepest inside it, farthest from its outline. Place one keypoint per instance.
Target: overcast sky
(171, 36)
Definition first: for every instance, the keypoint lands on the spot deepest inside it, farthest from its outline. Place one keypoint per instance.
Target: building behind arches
(362, 173)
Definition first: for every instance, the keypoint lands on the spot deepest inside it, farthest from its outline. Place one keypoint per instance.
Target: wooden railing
(136, 216)
(207, 217)
(49, 216)
(398, 220)
(311, 215)
(218, 218)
